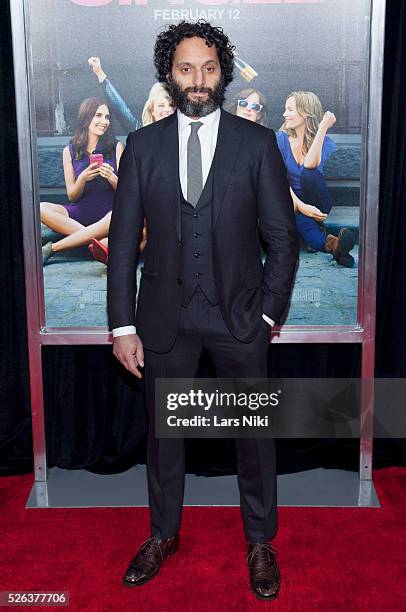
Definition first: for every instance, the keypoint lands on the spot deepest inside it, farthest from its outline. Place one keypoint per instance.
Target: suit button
(179, 244)
(179, 281)
(195, 235)
(196, 215)
(197, 274)
(197, 254)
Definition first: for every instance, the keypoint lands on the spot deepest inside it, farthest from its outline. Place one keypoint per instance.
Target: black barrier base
(82, 489)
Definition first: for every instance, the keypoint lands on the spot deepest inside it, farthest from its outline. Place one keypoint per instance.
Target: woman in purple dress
(90, 186)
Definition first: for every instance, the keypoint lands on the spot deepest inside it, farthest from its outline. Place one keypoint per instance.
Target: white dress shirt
(207, 134)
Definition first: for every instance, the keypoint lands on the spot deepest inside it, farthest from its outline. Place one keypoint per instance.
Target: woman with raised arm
(157, 106)
(305, 146)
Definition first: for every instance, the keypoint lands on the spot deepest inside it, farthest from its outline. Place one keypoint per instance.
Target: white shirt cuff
(124, 331)
(268, 320)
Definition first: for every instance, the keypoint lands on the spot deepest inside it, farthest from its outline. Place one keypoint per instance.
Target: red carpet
(330, 558)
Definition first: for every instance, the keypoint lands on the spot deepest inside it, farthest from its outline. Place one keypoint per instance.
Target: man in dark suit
(206, 182)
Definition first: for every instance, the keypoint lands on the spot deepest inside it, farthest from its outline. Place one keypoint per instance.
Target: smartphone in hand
(96, 158)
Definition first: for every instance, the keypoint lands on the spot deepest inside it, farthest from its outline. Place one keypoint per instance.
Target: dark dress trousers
(204, 286)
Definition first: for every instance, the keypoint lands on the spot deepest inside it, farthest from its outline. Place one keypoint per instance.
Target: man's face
(195, 83)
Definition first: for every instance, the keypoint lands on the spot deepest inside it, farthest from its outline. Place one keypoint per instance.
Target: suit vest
(197, 254)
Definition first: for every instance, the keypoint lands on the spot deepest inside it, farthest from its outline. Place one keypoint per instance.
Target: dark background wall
(94, 411)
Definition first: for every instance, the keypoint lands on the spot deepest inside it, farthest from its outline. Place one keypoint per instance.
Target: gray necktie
(194, 165)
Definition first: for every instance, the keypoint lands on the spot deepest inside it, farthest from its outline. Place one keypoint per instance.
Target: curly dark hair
(169, 39)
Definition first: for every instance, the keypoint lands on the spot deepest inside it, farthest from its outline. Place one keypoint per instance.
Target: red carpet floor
(331, 558)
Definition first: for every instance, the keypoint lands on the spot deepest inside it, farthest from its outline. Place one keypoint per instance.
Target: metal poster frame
(39, 335)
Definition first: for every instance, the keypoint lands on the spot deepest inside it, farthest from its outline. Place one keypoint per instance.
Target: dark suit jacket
(250, 184)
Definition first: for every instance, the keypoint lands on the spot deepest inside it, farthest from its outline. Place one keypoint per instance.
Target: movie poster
(292, 56)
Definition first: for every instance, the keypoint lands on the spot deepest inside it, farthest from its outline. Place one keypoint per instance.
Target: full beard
(196, 108)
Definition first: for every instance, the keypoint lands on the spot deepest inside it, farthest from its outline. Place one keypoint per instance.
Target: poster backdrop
(103, 48)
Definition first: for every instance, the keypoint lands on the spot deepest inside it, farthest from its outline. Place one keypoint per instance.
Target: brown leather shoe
(264, 571)
(149, 558)
(340, 247)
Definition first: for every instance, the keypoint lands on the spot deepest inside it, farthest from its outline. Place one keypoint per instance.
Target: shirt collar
(209, 120)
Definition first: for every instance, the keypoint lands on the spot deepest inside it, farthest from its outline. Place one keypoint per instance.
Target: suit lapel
(169, 158)
(227, 149)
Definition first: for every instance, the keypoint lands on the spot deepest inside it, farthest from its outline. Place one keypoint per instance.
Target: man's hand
(129, 351)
